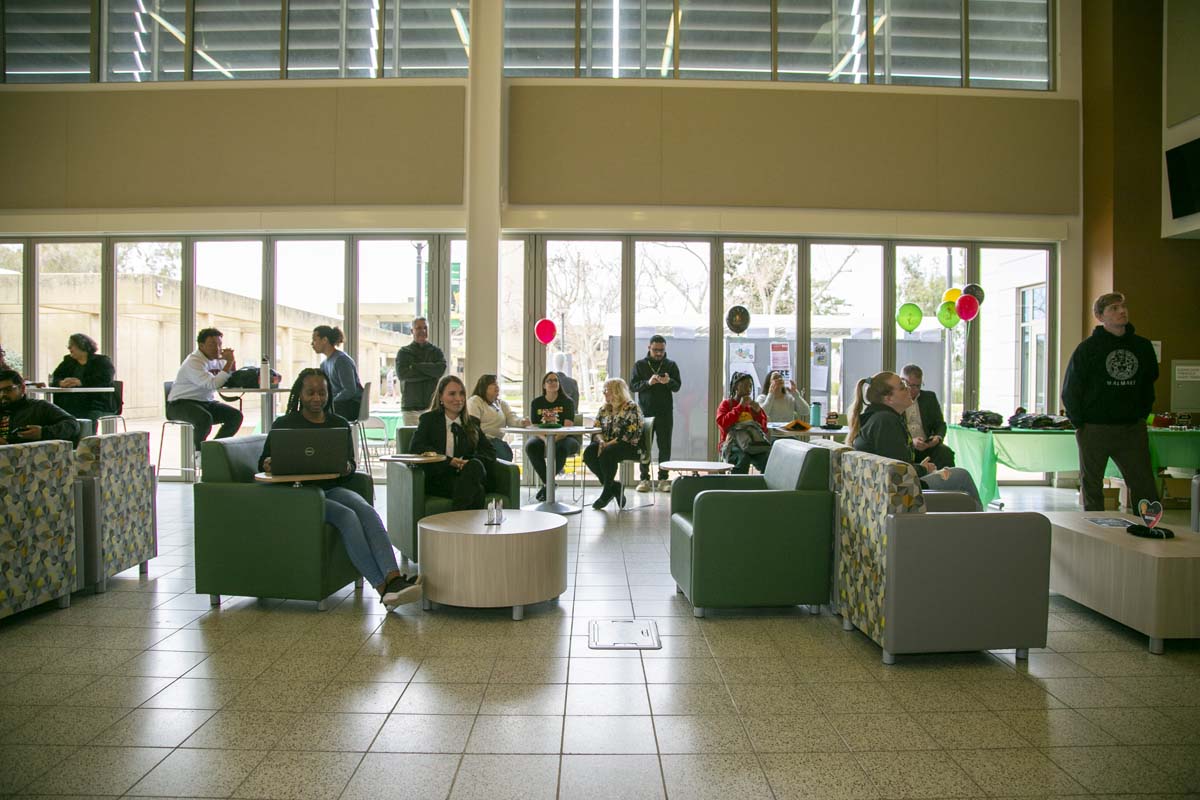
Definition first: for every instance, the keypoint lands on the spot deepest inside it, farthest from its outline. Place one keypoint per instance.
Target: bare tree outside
(583, 297)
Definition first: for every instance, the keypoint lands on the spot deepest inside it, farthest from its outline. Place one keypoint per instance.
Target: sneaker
(644, 486)
(401, 590)
(664, 486)
(541, 495)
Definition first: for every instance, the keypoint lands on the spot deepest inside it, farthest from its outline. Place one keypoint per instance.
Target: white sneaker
(410, 593)
(644, 486)
(664, 486)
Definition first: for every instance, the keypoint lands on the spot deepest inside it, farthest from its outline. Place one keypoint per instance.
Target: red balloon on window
(545, 330)
(967, 307)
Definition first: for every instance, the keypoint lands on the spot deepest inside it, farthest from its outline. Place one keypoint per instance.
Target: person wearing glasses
(552, 407)
(877, 426)
(924, 419)
(23, 420)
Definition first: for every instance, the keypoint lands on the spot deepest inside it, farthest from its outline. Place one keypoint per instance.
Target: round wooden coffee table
(466, 562)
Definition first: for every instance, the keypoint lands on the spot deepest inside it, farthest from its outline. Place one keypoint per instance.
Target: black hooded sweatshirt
(1110, 379)
(882, 431)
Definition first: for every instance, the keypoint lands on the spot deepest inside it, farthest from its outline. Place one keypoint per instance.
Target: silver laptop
(309, 451)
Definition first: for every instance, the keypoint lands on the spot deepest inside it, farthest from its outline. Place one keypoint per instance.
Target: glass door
(761, 277)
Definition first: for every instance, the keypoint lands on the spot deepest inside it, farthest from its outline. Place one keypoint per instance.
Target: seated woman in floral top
(620, 437)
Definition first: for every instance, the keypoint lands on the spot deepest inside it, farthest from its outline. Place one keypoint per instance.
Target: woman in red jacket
(743, 424)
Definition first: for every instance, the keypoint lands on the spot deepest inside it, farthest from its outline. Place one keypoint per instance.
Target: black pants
(1128, 446)
(742, 461)
(503, 450)
(606, 464)
(348, 409)
(202, 414)
(664, 423)
(535, 453)
(466, 487)
(939, 454)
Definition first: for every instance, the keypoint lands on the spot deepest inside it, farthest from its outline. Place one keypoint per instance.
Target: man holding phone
(193, 397)
(655, 380)
(23, 420)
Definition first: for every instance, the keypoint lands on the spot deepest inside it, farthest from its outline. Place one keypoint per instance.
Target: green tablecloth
(978, 452)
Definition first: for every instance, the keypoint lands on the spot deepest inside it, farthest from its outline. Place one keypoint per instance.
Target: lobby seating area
(146, 690)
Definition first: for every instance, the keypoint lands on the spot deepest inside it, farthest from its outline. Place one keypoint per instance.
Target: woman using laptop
(447, 429)
(310, 405)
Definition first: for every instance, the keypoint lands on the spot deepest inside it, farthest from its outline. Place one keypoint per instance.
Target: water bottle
(814, 414)
(264, 374)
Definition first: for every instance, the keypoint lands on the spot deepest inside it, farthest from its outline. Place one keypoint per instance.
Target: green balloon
(909, 316)
(947, 315)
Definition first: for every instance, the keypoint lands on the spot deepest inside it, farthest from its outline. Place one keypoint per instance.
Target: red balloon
(967, 307)
(545, 330)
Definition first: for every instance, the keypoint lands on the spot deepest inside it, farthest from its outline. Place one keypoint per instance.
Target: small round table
(466, 562)
(294, 480)
(777, 431)
(697, 467)
(550, 505)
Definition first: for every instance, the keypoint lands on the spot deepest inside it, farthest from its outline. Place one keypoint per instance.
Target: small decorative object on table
(1151, 513)
(831, 420)
(495, 512)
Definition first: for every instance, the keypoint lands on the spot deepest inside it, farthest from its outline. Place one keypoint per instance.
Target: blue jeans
(959, 481)
(362, 533)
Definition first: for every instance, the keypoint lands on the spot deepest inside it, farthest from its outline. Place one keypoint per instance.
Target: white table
(697, 467)
(551, 505)
(295, 480)
(777, 430)
(466, 562)
(70, 390)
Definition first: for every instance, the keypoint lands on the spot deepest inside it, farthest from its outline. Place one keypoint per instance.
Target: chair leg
(64, 601)
(214, 599)
(358, 584)
(815, 610)
(889, 658)
(100, 586)
(847, 625)
(323, 604)
(678, 589)
(697, 611)
(144, 568)
(1023, 653)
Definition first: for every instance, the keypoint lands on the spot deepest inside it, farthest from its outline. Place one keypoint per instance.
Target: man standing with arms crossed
(655, 380)
(1108, 391)
(418, 367)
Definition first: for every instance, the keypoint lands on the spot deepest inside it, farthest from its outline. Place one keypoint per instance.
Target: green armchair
(407, 502)
(265, 541)
(745, 541)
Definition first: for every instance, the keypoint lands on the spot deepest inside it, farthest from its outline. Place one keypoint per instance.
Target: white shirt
(199, 378)
(450, 436)
(912, 417)
(491, 419)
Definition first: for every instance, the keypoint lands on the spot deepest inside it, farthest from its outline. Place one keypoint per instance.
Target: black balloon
(975, 290)
(738, 319)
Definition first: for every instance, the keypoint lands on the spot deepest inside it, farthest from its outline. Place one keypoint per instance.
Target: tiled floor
(146, 691)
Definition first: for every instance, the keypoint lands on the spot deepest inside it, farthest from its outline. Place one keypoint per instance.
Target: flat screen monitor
(1183, 178)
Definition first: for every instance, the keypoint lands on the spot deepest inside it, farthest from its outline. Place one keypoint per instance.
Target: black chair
(118, 405)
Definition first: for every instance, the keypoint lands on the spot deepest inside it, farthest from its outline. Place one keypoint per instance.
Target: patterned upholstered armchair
(37, 537)
(920, 582)
(119, 527)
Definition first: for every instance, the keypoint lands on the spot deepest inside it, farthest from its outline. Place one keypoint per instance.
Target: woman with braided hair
(310, 405)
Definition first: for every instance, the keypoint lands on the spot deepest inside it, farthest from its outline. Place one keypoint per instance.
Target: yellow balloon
(951, 295)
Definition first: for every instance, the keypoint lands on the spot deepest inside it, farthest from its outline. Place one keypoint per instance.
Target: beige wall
(596, 143)
(260, 146)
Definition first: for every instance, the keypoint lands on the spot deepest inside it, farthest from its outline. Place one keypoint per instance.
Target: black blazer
(931, 414)
(430, 436)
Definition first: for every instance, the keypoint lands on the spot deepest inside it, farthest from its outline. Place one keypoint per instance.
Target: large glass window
(1010, 44)
(47, 42)
(144, 40)
(11, 336)
(583, 297)
(923, 274)
(148, 303)
(393, 288)
(512, 324)
(310, 290)
(1012, 332)
(432, 37)
(333, 38)
(68, 300)
(822, 41)
(539, 38)
(672, 280)
(456, 354)
(236, 39)
(725, 39)
(846, 290)
(761, 277)
(918, 42)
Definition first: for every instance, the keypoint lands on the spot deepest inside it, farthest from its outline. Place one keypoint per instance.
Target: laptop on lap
(309, 451)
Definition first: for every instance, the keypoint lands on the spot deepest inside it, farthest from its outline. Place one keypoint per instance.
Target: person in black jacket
(925, 421)
(879, 428)
(310, 405)
(1108, 391)
(448, 430)
(554, 407)
(418, 367)
(84, 367)
(655, 380)
(23, 420)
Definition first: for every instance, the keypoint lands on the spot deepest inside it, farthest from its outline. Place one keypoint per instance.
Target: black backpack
(247, 378)
(982, 420)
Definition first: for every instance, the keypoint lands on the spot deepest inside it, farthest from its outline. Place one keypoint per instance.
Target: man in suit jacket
(925, 422)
